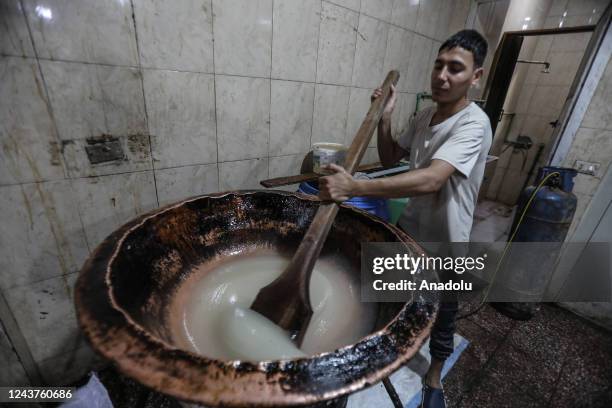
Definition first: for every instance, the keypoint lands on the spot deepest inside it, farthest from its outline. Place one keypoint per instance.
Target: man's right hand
(390, 103)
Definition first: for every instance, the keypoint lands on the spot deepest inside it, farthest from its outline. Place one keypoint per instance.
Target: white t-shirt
(463, 140)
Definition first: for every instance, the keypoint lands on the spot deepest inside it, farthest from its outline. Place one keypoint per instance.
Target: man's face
(453, 74)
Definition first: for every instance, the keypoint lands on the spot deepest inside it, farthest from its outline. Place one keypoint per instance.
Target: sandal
(432, 397)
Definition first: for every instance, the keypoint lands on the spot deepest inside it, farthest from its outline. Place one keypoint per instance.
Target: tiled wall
(202, 96)
(592, 143)
(539, 97)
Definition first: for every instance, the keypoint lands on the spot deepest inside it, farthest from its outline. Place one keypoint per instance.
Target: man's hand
(390, 103)
(338, 187)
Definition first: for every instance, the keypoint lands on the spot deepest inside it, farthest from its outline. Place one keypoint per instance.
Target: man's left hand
(338, 187)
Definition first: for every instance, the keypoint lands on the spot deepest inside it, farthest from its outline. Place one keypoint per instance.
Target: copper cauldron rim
(134, 339)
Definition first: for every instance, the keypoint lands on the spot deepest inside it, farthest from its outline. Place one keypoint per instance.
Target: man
(447, 145)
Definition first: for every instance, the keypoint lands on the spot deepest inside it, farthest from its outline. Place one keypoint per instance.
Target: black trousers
(443, 330)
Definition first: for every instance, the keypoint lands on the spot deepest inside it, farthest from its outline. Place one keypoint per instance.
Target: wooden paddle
(286, 301)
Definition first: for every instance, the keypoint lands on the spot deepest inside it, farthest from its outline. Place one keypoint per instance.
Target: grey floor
(556, 359)
(491, 222)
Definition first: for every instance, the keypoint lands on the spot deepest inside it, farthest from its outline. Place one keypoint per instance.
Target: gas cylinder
(547, 219)
(551, 212)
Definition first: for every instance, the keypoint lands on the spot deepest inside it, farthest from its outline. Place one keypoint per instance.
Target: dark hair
(470, 40)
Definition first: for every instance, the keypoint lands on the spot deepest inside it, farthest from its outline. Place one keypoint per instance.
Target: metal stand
(395, 399)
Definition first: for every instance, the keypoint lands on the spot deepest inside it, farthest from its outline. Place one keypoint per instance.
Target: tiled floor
(491, 222)
(554, 360)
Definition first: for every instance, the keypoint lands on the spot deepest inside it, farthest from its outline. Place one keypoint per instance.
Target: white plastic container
(327, 153)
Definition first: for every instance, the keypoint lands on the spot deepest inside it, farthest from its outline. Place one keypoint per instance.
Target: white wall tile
(495, 184)
(505, 157)
(418, 75)
(586, 7)
(397, 56)
(554, 22)
(359, 104)
(515, 126)
(548, 100)
(243, 175)
(30, 149)
(97, 101)
(558, 7)
(68, 368)
(402, 113)
(524, 98)
(404, 13)
(14, 36)
(87, 30)
(351, 4)
(458, 20)
(175, 35)
(570, 21)
(107, 202)
(295, 39)
(289, 165)
(435, 46)
(370, 156)
(370, 52)
(380, 9)
(571, 42)
(43, 234)
(76, 97)
(579, 149)
(330, 113)
(581, 206)
(585, 184)
(243, 37)
(12, 373)
(599, 112)
(45, 314)
(442, 31)
(243, 111)
(290, 117)
(136, 156)
(538, 128)
(181, 112)
(510, 187)
(337, 39)
(427, 20)
(286, 166)
(178, 183)
(90, 100)
(542, 48)
(563, 68)
(597, 145)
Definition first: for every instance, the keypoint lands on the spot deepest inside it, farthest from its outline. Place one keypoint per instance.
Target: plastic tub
(376, 206)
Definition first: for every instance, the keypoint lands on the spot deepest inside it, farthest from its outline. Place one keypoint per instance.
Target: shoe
(515, 310)
(432, 397)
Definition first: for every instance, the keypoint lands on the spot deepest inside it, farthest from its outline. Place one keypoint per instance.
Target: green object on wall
(396, 208)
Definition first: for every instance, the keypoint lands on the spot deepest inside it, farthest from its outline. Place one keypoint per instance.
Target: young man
(447, 145)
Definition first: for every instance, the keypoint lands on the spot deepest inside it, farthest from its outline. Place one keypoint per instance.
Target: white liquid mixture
(212, 315)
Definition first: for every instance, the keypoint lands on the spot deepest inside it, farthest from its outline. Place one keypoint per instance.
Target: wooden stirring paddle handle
(286, 301)
(369, 124)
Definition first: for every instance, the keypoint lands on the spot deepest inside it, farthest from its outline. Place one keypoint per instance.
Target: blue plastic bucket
(376, 206)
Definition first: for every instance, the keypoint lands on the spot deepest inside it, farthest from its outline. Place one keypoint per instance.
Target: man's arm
(389, 151)
(341, 186)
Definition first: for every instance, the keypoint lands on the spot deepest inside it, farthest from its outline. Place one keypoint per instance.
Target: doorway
(533, 77)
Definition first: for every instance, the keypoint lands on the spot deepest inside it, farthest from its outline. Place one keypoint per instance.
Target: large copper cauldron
(124, 290)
